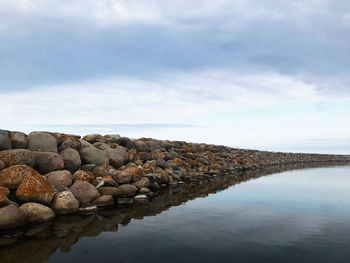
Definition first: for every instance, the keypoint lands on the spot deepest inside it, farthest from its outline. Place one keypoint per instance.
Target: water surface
(293, 216)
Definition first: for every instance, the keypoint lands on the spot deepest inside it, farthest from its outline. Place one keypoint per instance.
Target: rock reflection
(38, 242)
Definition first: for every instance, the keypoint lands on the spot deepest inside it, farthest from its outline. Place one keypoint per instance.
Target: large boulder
(82, 175)
(13, 176)
(71, 159)
(103, 200)
(63, 177)
(46, 162)
(34, 188)
(92, 155)
(127, 190)
(19, 140)
(17, 156)
(120, 177)
(11, 216)
(5, 142)
(84, 192)
(116, 158)
(126, 142)
(142, 183)
(42, 142)
(70, 142)
(92, 138)
(65, 203)
(37, 212)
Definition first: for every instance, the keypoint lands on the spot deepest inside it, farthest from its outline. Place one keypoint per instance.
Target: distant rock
(116, 158)
(141, 146)
(127, 190)
(126, 142)
(70, 142)
(92, 138)
(35, 212)
(17, 156)
(42, 142)
(111, 137)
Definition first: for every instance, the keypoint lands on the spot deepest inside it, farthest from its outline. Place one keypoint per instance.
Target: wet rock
(63, 177)
(19, 140)
(36, 212)
(70, 142)
(92, 138)
(155, 186)
(82, 175)
(141, 146)
(65, 203)
(127, 190)
(13, 176)
(125, 142)
(121, 177)
(5, 142)
(92, 155)
(71, 159)
(84, 191)
(34, 188)
(108, 190)
(116, 158)
(103, 200)
(17, 156)
(143, 182)
(46, 162)
(141, 199)
(151, 178)
(42, 142)
(11, 216)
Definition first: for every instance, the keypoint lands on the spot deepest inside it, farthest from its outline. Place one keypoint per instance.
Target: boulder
(42, 142)
(162, 163)
(135, 172)
(37, 212)
(84, 192)
(11, 216)
(19, 140)
(108, 190)
(144, 190)
(101, 146)
(126, 142)
(143, 182)
(13, 176)
(141, 146)
(144, 156)
(63, 177)
(82, 175)
(100, 170)
(133, 155)
(111, 137)
(71, 159)
(120, 177)
(46, 162)
(84, 144)
(17, 156)
(157, 154)
(5, 142)
(2, 165)
(103, 200)
(65, 203)
(3, 200)
(4, 191)
(70, 142)
(116, 158)
(91, 155)
(92, 138)
(34, 188)
(127, 190)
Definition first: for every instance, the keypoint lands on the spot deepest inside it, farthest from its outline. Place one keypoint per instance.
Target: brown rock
(128, 190)
(82, 175)
(63, 177)
(116, 158)
(3, 200)
(108, 190)
(104, 200)
(84, 192)
(46, 162)
(4, 191)
(36, 212)
(11, 216)
(133, 155)
(34, 188)
(19, 140)
(144, 190)
(2, 165)
(17, 157)
(109, 181)
(70, 142)
(13, 176)
(135, 172)
(121, 177)
(65, 203)
(42, 142)
(157, 154)
(143, 182)
(92, 138)
(100, 170)
(71, 159)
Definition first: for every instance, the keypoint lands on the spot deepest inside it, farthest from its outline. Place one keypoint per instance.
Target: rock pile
(43, 174)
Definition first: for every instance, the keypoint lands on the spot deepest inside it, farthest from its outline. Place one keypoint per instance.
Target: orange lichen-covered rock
(12, 176)
(135, 172)
(82, 175)
(34, 188)
(17, 157)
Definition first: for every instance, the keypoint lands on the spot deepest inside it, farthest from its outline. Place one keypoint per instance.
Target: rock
(92, 155)
(157, 154)
(101, 146)
(109, 181)
(141, 146)
(92, 138)
(82, 175)
(5, 142)
(144, 190)
(11, 216)
(111, 137)
(70, 142)
(127, 190)
(63, 177)
(151, 177)
(34, 188)
(19, 140)
(155, 186)
(84, 192)
(133, 155)
(141, 199)
(115, 157)
(37, 213)
(135, 172)
(103, 200)
(89, 210)
(172, 154)
(59, 188)
(71, 159)
(162, 164)
(126, 142)
(100, 170)
(2, 165)
(3, 200)
(108, 190)
(13, 176)
(42, 142)
(88, 167)
(46, 162)
(17, 157)
(120, 177)
(4, 191)
(143, 182)
(84, 144)
(65, 203)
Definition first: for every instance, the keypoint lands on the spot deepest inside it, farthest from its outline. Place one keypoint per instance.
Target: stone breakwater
(45, 174)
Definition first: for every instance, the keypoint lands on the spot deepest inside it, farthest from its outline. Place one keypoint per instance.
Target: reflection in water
(255, 222)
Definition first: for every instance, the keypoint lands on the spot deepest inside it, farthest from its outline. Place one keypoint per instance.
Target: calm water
(293, 216)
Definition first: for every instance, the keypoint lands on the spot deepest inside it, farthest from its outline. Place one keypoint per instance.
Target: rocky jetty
(45, 174)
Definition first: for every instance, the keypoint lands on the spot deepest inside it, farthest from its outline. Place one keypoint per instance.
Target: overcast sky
(262, 74)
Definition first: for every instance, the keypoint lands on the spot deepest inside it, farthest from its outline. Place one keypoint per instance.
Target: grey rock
(46, 162)
(92, 138)
(92, 155)
(144, 156)
(71, 159)
(84, 191)
(141, 146)
(5, 142)
(42, 142)
(101, 146)
(37, 212)
(19, 140)
(11, 216)
(162, 163)
(116, 158)
(84, 144)
(65, 203)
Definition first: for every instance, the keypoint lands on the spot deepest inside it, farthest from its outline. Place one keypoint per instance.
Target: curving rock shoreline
(45, 174)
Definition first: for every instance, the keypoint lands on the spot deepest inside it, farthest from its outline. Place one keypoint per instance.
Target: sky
(258, 74)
